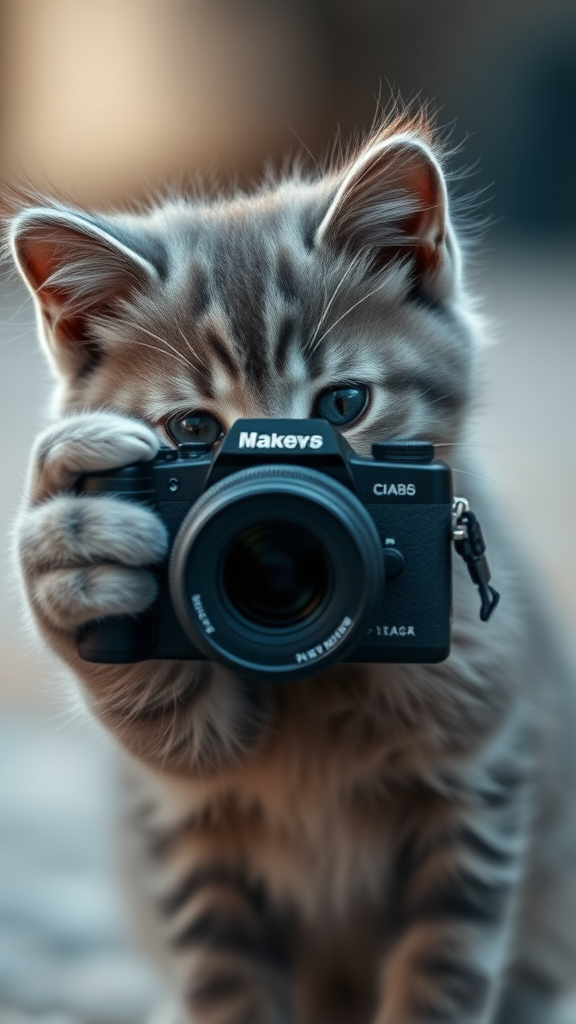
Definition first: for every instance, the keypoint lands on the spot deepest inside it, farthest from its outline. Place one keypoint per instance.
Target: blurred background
(103, 100)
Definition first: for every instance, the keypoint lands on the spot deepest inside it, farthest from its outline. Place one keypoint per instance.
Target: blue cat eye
(201, 427)
(342, 404)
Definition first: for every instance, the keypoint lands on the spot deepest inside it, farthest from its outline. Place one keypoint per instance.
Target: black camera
(289, 552)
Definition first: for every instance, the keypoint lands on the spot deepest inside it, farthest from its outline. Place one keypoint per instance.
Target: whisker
(350, 266)
(195, 355)
(139, 327)
(325, 290)
(169, 350)
(439, 398)
(493, 480)
(349, 310)
(407, 385)
(175, 351)
(171, 355)
(476, 444)
(427, 391)
(304, 146)
(163, 341)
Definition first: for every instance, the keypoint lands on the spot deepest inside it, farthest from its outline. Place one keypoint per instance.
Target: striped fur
(384, 844)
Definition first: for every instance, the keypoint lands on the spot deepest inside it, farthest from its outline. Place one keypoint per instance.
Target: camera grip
(134, 482)
(119, 640)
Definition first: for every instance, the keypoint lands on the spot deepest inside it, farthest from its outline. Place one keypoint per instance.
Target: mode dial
(403, 451)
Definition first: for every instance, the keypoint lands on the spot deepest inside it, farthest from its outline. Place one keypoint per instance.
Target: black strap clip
(470, 545)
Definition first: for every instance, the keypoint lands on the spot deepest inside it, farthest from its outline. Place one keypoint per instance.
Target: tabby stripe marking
(215, 989)
(461, 985)
(218, 932)
(218, 347)
(463, 898)
(491, 853)
(210, 874)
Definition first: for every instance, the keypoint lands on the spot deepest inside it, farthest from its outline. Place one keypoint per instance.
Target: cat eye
(342, 404)
(201, 427)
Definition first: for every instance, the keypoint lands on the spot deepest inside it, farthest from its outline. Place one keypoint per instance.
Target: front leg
(228, 944)
(461, 869)
(229, 963)
(83, 558)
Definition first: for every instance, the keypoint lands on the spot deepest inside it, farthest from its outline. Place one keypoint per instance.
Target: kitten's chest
(310, 819)
(325, 850)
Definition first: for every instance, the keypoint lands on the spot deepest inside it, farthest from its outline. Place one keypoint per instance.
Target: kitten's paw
(87, 443)
(69, 598)
(69, 531)
(82, 558)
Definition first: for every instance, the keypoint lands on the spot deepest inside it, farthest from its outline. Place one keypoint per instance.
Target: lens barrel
(275, 570)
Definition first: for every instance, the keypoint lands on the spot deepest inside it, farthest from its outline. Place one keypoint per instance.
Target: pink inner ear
(40, 258)
(74, 271)
(393, 202)
(428, 222)
(41, 254)
(36, 259)
(42, 250)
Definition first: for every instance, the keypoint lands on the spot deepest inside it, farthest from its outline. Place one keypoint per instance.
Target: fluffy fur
(377, 844)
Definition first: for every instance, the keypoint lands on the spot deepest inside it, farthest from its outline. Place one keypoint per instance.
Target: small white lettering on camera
(315, 652)
(395, 631)
(400, 490)
(202, 617)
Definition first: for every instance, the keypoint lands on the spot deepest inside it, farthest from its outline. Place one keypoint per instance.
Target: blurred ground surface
(65, 952)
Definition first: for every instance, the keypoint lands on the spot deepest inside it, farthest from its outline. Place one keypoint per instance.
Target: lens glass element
(275, 574)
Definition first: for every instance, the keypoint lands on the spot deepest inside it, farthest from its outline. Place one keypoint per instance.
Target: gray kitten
(389, 844)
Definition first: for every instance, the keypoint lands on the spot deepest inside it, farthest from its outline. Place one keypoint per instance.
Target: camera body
(288, 552)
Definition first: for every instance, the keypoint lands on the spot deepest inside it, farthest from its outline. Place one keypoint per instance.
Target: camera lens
(275, 574)
(275, 571)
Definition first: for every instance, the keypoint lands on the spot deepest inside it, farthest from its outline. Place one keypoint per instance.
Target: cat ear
(75, 270)
(393, 203)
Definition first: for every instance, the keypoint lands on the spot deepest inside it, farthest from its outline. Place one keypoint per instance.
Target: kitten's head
(337, 295)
